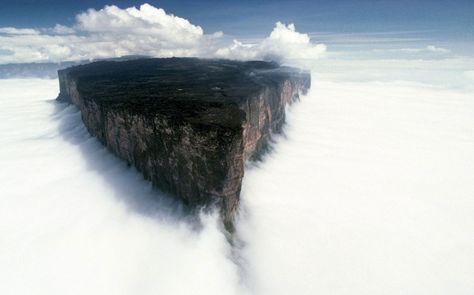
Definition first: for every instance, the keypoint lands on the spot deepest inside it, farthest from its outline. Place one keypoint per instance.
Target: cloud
(346, 202)
(60, 29)
(284, 43)
(147, 30)
(433, 48)
(429, 48)
(469, 75)
(148, 22)
(16, 31)
(97, 227)
(6, 52)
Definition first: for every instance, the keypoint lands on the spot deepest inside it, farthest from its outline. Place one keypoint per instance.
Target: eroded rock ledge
(187, 124)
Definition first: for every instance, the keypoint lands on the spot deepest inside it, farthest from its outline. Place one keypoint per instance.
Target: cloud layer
(369, 192)
(95, 227)
(147, 30)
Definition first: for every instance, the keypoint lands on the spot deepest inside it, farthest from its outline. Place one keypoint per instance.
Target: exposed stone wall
(200, 164)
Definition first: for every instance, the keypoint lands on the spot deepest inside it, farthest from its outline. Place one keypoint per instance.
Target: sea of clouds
(76, 220)
(369, 191)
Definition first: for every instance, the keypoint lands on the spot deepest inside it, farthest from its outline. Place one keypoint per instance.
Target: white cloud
(284, 43)
(238, 50)
(469, 75)
(16, 31)
(433, 48)
(98, 227)
(108, 32)
(429, 48)
(147, 30)
(60, 29)
(167, 30)
(346, 202)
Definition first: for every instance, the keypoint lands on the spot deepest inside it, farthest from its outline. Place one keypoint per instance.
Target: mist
(76, 220)
(368, 191)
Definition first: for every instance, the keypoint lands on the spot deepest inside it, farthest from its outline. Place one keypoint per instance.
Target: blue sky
(442, 19)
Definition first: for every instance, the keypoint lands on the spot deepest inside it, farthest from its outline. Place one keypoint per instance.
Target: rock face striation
(187, 124)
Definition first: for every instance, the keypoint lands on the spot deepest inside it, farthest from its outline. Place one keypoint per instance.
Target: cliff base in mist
(187, 124)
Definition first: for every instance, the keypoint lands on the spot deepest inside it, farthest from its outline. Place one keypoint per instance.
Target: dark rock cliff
(187, 124)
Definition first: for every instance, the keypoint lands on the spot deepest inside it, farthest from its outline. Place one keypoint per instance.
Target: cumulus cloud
(147, 30)
(283, 43)
(285, 40)
(160, 28)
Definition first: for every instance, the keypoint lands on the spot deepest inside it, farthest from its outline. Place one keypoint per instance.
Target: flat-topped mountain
(187, 124)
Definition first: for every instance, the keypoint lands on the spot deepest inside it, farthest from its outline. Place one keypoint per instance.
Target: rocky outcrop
(187, 124)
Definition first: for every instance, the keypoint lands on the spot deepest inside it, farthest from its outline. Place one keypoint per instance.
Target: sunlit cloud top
(146, 30)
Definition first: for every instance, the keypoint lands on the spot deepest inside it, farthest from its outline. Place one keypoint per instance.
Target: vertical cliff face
(188, 125)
